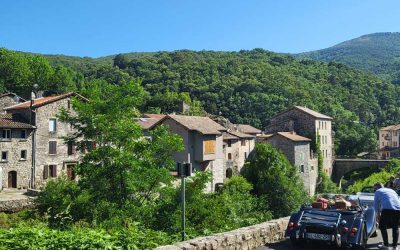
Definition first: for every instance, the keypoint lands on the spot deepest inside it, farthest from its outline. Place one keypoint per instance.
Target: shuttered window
(52, 125)
(45, 172)
(71, 148)
(52, 147)
(209, 147)
(53, 170)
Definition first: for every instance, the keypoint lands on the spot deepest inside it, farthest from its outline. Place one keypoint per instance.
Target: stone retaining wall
(243, 238)
(12, 206)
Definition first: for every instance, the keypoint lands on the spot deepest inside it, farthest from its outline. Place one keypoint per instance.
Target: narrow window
(53, 170)
(23, 134)
(71, 148)
(243, 142)
(52, 125)
(23, 155)
(45, 172)
(6, 134)
(4, 156)
(301, 168)
(229, 143)
(245, 155)
(52, 147)
(229, 156)
(69, 104)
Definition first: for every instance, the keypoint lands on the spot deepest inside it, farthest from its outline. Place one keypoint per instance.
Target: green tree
(274, 178)
(324, 183)
(122, 172)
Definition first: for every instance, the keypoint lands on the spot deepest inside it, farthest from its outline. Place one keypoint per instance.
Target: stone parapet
(12, 206)
(243, 238)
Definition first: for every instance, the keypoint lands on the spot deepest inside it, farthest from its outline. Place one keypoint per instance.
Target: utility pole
(184, 169)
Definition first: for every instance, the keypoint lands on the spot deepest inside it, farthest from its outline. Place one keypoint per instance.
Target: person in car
(387, 207)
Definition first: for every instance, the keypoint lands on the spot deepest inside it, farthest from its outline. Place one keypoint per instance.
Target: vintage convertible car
(349, 227)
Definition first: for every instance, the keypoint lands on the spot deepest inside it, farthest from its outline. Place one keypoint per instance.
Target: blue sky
(99, 27)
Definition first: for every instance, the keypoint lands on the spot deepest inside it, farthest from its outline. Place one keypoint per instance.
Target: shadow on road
(284, 245)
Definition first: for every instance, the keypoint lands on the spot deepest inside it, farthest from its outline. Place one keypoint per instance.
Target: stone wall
(243, 238)
(22, 166)
(12, 206)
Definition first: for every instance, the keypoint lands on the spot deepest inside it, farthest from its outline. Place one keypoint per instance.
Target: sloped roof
(391, 127)
(14, 121)
(247, 129)
(149, 120)
(229, 136)
(307, 111)
(240, 134)
(43, 101)
(203, 125)
(292, 137)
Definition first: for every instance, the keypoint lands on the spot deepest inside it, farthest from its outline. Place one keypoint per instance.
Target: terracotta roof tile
(229, 136)
(247, 129)
(42, 101)
(149, 121)
(201, 124)
(293, 137)
(391, 127)
(14, 121)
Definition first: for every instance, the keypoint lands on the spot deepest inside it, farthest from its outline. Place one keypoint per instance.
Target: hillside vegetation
(246, 87)
(378, 53)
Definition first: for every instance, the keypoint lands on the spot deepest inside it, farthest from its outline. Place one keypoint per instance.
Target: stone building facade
(202, 139)
(50, 154)
(297, 150)
(389, 142)
(15, 151)
(237, 147)
(310, 124)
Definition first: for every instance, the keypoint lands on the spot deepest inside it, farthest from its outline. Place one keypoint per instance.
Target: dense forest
(378, 53)
(245, 86)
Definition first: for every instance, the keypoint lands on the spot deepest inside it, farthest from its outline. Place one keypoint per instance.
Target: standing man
(387, 207)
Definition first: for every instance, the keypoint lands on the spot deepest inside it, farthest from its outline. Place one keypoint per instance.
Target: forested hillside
(378, 53)
(246, 86)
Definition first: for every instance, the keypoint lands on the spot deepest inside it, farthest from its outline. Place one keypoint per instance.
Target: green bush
(275, 180)
(39, 236)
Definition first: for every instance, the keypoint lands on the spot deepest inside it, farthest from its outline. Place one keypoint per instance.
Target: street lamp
(184, 169)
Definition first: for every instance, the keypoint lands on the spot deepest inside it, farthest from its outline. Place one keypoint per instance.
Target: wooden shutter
(45, 172)
(209, 146)
(54, 171)
(52, 147)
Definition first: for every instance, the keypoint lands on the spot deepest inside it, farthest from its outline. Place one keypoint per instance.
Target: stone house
(50, 154)
(202, 139)
(389, 142)
(237, 147)
(296, 148)
(247, 129)
(16, 151)
(308, 123)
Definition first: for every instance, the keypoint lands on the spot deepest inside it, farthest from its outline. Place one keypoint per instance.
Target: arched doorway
(12, 179)
(229, 173)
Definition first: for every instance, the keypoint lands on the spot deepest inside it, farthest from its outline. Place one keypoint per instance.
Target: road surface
(284, 245)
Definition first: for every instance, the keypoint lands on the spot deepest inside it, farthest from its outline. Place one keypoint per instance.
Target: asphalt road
(372, 244)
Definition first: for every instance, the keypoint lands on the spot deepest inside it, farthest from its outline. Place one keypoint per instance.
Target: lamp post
(184, 169)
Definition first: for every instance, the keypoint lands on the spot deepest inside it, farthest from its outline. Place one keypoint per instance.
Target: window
(209, 146)
(71, 148)
(53, 170)
(69, 104)
(52, 125)
(229, 156)
(243, 142)
(23, 134)
(52, 147)
(6, 134)
(4, 156)
(301, 168)
(245, 155)
(229, 143)
(312, 168)
(395, 144)
(23, 155)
